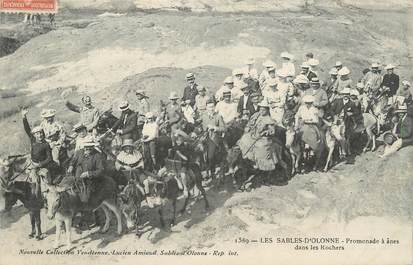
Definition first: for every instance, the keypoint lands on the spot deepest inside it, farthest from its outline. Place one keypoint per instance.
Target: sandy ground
(110, 55)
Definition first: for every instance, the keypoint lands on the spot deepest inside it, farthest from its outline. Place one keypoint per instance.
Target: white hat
(250, 61)
(375, 65)
(270, 69)
(229, 80)
(282, 73)
(124, 105)
(47, 113)
(313, 62)
(354, 92)
(173, 95)
(89, 142)
(308, 99)
(149, 115)
(300, 79)
(128, 142)
(344, 71)
(190, 76)
(338, 63)
(237, 71)
(201, 88)
(389, 66)
(78, 126)
(345, 91)
(242, 85)
(315, 80)
(333, 71)
(305, 65)
(36, 129)
(406, 83)
(269, 63)
(360, 85)
(264, 103)
(286, 55)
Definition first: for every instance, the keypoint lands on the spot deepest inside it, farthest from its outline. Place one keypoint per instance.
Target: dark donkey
(21, 191)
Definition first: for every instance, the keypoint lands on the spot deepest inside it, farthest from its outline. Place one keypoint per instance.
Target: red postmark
(28, 6)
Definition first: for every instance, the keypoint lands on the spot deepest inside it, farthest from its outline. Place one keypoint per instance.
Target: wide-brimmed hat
(286, 55)
(305, 65)
(210, 101)
(200, 88)
(345, 91)
(315, 80)
(124, 105)
(269, 63)
(333, 71)
(375, 65)
(389, 66)
(173, 95)
(237, 71)
(89, 142)
(243, 86)
(313, 62)
(270, 69)
(360, 85)
(190, 76)
(78, 126)
(229, 80)
(181, 134)
(36, 129)
(389, 138)
(338, 64)
(47, 113)
(344, 71)
(141, 92)
(406, 83)
(149, 115)
(163, 172)
(128, 142)
(250, 61)
(354, 92)
(308, 99)
(300, 79)
(264, 103)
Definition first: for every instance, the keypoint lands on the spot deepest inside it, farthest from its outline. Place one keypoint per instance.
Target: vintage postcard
(206, 132)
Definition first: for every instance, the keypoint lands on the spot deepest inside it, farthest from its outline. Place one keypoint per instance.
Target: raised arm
(72, 106)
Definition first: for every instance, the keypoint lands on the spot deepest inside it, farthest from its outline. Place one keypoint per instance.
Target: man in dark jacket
(127, 124)
(88, 165)
(245, 101)
(390, 80)
(190, 90)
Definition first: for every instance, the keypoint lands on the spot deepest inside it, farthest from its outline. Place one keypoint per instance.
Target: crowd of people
(280, 98)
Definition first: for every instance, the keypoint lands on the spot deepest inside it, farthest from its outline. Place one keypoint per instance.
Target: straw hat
(287, 55)
(333, 71)
(190, 76)
(313, 62)
(305, 65)
(401, 109)
(344, 71)
(406, 83)
(36, 129)
(345, 91)
(150, 115)
(173, 95)
(201, 88)
(264, 104)
(269, 63)
(124, 105)
(237, 71)
(47, 113)
(229, 80)
(128, 142)
(338, 64)
(389, 66)
(272, 82)
(301, 79)
(354, 92)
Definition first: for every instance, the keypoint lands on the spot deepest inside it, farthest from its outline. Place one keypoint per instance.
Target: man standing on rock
(142, 107)
(372, 80)
(89, 114)
(191, 90)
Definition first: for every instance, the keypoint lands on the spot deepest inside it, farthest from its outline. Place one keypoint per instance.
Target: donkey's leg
(107, 218)
(115, 209)
(68, 227)
(174, 212)
(369, 138)
(330, 154)
(38, 224)
(198, 184)
(374, 142)
(161, 219)
(33, 223)
(58, 231)
(293, 162)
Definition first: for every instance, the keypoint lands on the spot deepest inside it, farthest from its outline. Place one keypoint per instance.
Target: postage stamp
(28, 6)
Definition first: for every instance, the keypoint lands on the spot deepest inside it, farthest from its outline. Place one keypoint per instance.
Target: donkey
(64, 203)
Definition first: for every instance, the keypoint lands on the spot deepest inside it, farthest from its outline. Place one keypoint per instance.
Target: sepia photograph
(205, 132)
